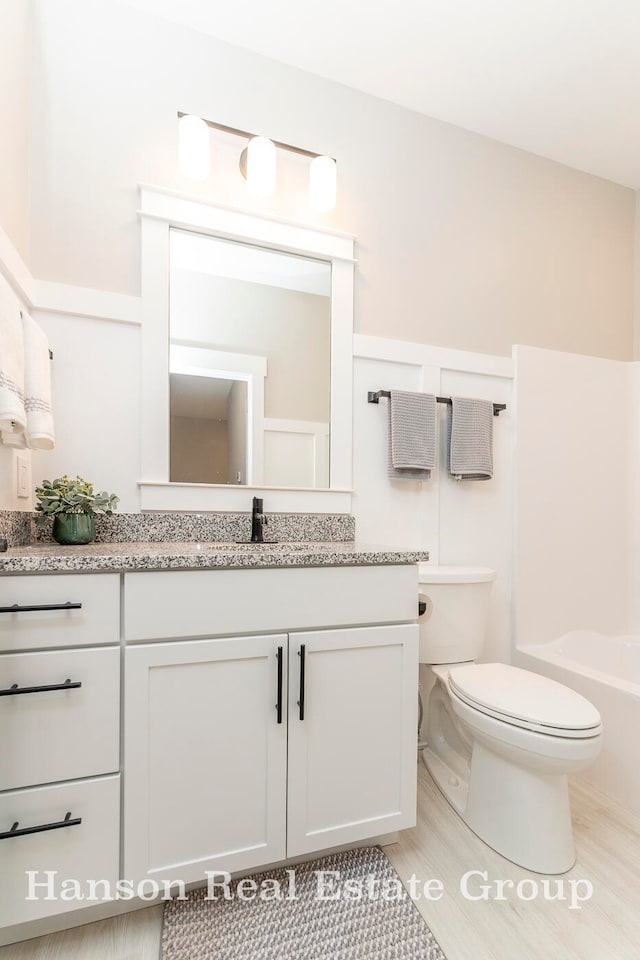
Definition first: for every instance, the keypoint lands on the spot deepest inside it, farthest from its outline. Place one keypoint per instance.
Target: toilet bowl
(501, 741)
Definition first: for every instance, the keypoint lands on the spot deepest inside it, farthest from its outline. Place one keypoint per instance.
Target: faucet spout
(258, 520)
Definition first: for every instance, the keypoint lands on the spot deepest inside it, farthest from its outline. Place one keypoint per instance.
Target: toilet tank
(452, 628)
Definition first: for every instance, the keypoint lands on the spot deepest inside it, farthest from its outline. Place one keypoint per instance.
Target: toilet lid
(439, 573)
(520, 695)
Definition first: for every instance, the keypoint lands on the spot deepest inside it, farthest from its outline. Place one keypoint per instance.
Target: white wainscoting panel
(457, 522)
(95, 375)
(297, 452)
(476, 517)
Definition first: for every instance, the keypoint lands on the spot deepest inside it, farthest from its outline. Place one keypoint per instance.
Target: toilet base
(522, 814)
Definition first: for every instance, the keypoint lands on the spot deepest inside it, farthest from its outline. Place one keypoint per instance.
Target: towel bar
(374, 397)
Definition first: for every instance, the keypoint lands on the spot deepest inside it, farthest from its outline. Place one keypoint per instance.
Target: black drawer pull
(14, 689)
(279, 700)
(422, 607)
(23, 831)
(301, 654)
(30, 607)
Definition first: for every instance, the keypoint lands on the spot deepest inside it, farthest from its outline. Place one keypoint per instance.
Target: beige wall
(15, 25)
(198, 450)
(462, 241)
(636, 283)
(290, 328)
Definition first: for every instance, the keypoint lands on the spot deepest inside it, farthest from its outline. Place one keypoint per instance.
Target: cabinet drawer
(54, 735)
(85, 851)
(96, 621)
(205, 603)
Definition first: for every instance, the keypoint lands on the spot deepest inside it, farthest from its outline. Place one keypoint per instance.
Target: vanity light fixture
(257, 161)
(322, 183)
(261, 166)
(194, 150)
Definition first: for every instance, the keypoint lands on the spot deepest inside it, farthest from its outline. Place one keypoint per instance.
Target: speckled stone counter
(20, 530)
(120, 557)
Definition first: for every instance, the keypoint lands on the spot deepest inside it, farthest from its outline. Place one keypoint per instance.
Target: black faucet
(258, 520)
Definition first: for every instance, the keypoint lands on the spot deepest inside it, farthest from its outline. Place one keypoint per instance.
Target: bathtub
(605, 670)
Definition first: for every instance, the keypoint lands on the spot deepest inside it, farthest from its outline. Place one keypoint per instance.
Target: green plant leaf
(63, 495)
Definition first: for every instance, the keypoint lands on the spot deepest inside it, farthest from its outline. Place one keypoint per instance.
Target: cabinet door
(352, 748)
(205, 757)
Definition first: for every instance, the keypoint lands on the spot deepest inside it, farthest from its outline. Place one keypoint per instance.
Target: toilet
(501, 741)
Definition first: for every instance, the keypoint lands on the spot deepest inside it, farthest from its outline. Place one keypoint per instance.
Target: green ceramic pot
(74, 528)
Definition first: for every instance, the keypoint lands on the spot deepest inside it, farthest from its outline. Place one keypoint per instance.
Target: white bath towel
(412, 435)
(37, 386)
(470, 439)
(17, 439)
(12, 412)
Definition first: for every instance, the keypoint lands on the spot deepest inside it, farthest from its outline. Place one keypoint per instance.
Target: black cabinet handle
(279, 700)
(30, 607)
(41, 828)
(14, 689)
(422, 607)
(301, 654)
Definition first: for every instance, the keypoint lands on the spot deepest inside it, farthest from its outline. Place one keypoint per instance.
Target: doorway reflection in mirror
(250, 352)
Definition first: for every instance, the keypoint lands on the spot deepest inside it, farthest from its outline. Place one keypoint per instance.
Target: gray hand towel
(412, 435)
(470, 439)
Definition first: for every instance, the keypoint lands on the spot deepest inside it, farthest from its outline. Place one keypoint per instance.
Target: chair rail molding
(366, 347)
(45, 296)
(14, 270)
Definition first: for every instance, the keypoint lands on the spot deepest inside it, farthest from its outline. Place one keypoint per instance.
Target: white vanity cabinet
(59, 737)
(268, 713)
(246, 750)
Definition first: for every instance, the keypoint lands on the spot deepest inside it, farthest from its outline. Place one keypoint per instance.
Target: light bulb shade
(322, 183)
(261, 166)
(194, 149)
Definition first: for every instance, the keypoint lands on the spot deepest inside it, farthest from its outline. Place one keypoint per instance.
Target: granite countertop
(118, 557)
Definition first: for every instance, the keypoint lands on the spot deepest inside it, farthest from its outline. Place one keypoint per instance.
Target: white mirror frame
(160, 210)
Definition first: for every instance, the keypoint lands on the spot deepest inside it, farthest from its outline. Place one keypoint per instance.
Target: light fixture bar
(249, 136)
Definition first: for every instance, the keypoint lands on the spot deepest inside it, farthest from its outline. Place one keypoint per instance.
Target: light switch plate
(23, 478)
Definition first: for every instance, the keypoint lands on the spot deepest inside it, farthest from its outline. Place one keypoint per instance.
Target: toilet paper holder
(425, 606)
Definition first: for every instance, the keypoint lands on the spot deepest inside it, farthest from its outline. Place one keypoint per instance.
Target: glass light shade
(261, 166)
(322, 183)
(194, 148)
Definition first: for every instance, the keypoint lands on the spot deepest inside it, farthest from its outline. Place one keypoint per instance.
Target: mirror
(249, 364)
(174, 345)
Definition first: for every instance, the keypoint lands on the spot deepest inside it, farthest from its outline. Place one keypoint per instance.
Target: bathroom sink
(246, 545)
(254, 543)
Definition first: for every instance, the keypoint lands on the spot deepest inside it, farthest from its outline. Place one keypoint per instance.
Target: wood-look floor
(442, 847)
(608, 847)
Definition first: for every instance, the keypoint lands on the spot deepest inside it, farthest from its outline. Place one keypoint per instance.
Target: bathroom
(483, 268)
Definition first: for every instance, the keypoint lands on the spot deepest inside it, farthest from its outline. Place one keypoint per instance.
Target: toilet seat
(524, 699)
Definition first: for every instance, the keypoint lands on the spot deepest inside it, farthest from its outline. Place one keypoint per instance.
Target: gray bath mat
(382, 927)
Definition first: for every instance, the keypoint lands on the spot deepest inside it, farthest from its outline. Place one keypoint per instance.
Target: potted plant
(73, 505)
